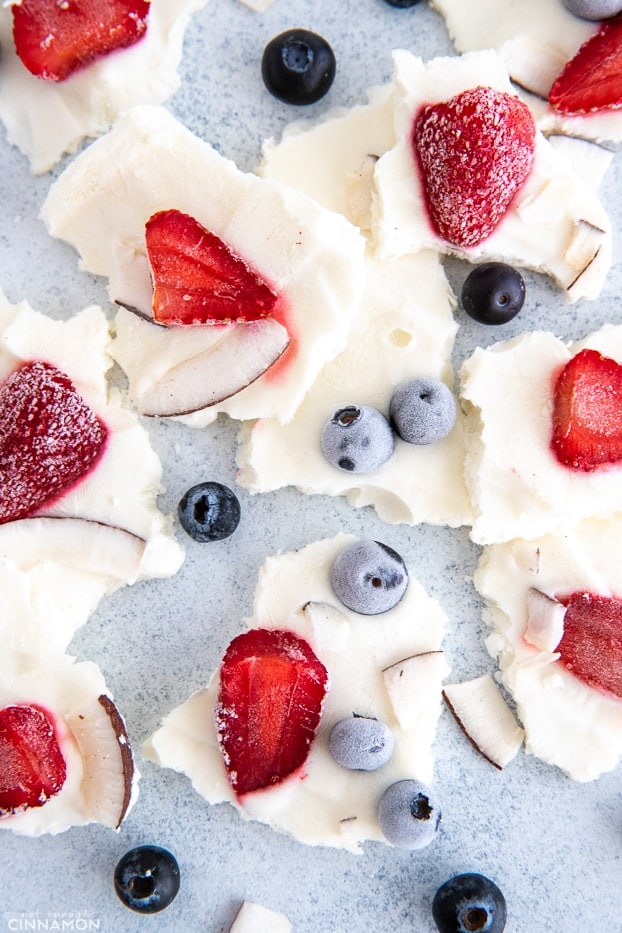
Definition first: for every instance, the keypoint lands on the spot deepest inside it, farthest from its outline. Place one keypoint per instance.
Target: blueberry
(146, 879)
(493, 293)
(422, 411)
(402, 4)
(209, 512)
(369, 577)
(594, 9)
(298, 66)
(408, 814)
(360, 743)
(357, 439)
(469, 903)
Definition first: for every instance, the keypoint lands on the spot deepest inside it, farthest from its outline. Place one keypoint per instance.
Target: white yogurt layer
(107, 529)
(329, 805)
(313, 257)
(518, 487)
(535, 39)
(567, 723)
(46, 119)
(546, 227)
(405, 329)
(69, 691)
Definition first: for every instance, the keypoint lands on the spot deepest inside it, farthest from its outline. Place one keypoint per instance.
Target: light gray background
(553, 845)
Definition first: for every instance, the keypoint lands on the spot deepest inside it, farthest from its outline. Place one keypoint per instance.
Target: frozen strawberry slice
(54, 38)
(197, 279)
(271, 691)
(587, 412)
(591, 647)
(32, 767)
(49, 439)
(592, 80)
(474, 153)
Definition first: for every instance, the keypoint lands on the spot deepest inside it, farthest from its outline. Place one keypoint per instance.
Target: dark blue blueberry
(402, 4)
(408, 814)
(369, 577)
(209, 512)
(298, 66)
(357, 439)
(493, 293)
(146, 879)
(360, 743)
(423, 410)
(469, 903)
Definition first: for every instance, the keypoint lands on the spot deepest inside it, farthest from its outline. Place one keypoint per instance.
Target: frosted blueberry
(369, 577)
(357, 439)
(422, 411)
(360, 743)
(594, 9)
(408, 815)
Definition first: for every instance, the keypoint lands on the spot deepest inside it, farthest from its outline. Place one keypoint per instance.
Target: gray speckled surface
(552, 845)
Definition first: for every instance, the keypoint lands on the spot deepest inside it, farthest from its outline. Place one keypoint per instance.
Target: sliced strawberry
(54, 38)
(197, 278)
(49, 439)
(271, 691)
(592, 80)
(32, 767)
(591, 647)
(587, 412)
(474, 154)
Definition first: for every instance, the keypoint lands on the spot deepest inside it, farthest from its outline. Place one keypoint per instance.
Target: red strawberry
(54, 38)
(591, 647)
(49, 439)
(587, 412)
(592, 80)
(32, 767)
(197, 278)
(271, 691)
(474, 153)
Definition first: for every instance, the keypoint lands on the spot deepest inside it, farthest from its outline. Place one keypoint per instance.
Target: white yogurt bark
(46, 119)
(556, 225)
(518, 487)
(535, 39)
(567, 723)
(312, 256)
(331, 805)
(101, 783)
(106, 530)
(405, 329)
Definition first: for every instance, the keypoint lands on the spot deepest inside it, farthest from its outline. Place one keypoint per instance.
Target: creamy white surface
(535, 38)
(46, 119)
(312, 256)
(567, 723)
(120, 491)
(539, 229)
(64, 688)
(405, 329)
(330, 805)
(518, 487)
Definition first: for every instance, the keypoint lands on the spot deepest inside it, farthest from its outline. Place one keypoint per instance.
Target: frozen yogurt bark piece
(535, 38)
(324, 803)
(554, 223)
(519, 487)
(405, 330)
(79, 523)
(59, 726)
(312, 258)
(568, 722)
(46, 118)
